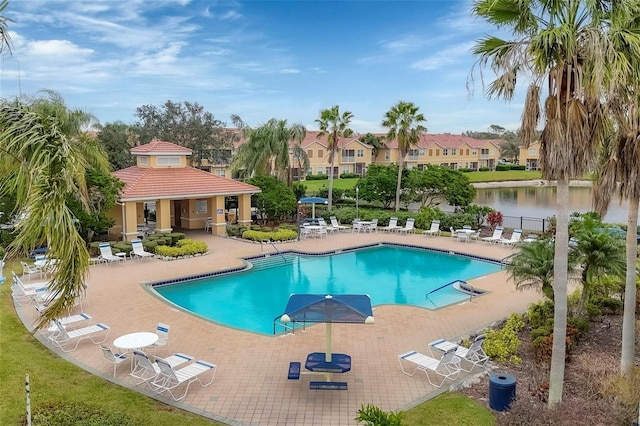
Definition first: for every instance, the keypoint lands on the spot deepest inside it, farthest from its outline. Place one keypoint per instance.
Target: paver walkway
(251, 386)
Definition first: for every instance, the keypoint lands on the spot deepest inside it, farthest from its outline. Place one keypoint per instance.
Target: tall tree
(560, 46)
(405, 125)
(186, 124)
(620, 172)
(117, 139)
(335, 126)
(45, 156)
(532, 267)
(268, 146)
(376, 142)
(5, 38)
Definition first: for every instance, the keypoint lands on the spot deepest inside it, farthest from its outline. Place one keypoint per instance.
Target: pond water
(540, 202)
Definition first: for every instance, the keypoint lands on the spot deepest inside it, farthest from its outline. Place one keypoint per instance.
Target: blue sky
(257, 59)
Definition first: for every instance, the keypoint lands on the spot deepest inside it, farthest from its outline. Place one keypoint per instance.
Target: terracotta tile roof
(180, 182)
(448, 140)
(156, 146)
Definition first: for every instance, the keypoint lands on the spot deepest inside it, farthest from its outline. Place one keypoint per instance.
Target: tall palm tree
(562, 46)
(301, 159)
(335, 126)
(45, 156)
(5, 39)
(405, 125)
(268, 146)
(376, 142)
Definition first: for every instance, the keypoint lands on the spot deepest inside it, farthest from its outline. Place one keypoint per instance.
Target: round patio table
(137, 340)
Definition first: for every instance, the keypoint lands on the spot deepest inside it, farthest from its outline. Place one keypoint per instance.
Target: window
(467, 151)
(310, 153)
(437, 153)
(474, 152)
(421, 152)
(220, 172)
(201, 206)
(430, 153)
(484, 152)
(386, 155)
(169, 161)
(360, 153)
(346, 169)
(143, 160)
(321, 153)
(320, 170)
(348, 155)
(453, 151)
(413, 154)
(310, 171)
(532, 151)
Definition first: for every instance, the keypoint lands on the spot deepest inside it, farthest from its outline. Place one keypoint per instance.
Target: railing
(286, 327)
(440, 288)
(526, 223)
(278, 251)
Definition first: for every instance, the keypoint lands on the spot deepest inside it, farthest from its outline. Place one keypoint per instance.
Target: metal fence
(533, 224)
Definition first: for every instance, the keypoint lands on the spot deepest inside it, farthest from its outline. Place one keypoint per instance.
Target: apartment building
(530, 157)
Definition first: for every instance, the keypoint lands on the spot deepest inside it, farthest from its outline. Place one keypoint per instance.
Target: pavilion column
(244, 210)
(130, 228)
(218, 223)
(163, 216)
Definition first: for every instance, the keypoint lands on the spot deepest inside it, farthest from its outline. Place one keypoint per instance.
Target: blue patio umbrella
(313, 201)
(339, 308)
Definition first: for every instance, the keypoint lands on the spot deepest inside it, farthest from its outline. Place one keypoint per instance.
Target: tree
(405, 125)
(301, 159)
(434, 184)
(510, 149)
(620, 170)
(276, 200)
(335, 126)
(5, 38)
(268, 146)
(32, 138)
(558, 45)
(376, 142)
(597, 253)
(379, 184)
(117, 139)
(532, 267)
(189, 125)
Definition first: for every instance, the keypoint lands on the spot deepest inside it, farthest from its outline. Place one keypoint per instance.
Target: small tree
(495, 219)
(374, 416)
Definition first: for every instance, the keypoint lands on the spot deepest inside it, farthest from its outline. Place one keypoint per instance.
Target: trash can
(502, 390)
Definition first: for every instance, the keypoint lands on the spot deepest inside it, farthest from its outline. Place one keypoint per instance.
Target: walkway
(251, 386)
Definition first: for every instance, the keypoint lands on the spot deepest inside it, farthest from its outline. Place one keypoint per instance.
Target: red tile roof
(179, 182)
(448, 140)
(158, 147)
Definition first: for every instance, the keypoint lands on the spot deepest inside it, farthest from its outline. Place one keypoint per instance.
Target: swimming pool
(390, 274)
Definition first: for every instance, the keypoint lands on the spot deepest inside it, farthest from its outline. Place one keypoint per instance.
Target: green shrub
(539, 314)
(2, 252)
(78, 414)
(185, 247)
(483, 169)
(465, 170)
(122, 247)
(317, 177)
(175, 237)
(281, 235)
(374, 416)
(502, 344)
(348, 176)
(428, 214)
(503, 167)
(608, 304)
(149, 245)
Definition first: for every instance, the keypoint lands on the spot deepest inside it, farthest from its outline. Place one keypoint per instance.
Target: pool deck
(251, 386)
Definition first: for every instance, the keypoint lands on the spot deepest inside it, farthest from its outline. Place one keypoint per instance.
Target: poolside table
(138, 340)
(316, 362)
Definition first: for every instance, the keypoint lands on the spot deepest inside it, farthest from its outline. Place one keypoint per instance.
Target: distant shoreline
(521, 183)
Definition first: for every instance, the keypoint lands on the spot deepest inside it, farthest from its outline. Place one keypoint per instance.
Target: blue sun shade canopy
(341, 308)
(313, 200)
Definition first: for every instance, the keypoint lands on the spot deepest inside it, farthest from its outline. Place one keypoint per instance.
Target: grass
(313, 186)
(56, 380)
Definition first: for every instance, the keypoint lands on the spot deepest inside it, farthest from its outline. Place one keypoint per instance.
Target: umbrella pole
(313, 210)
(328, 338)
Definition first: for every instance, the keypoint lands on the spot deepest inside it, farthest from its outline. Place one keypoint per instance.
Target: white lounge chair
(447, 367)
(61, 337)
(408, 226)
(107, 254)
(323, 223)
(336, 225)
(434, 230)
(497, 235)
(68, 321)
(145, 370)
(474, 354)
(515, 237)
(393, 225)
(169, 379)
(113, 358)
(138, 250)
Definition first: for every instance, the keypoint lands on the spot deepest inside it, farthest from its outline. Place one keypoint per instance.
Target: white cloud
(453, 55)
(60, 49)
(290, 71)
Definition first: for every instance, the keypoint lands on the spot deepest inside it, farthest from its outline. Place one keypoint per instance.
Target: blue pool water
(251, 300)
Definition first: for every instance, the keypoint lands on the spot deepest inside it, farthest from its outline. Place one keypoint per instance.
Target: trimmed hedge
(317, 177)
(280, 235)
(185, 247)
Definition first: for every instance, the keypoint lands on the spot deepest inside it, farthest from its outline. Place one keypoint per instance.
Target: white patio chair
(515, 238)
(61, 337)
(434, 230)
(497, 235)
(107, 254)
(474, 354)
(336, 225)
(113, 358)
(145, 371)
(138, 250)
(447, 367)
(162, 330)
(29, 270)
(408, 226)
(393, 225)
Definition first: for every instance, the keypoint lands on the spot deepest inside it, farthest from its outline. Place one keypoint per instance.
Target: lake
(540, 201)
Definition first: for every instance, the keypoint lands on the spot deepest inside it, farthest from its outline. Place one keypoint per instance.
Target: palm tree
(268, 146)
(45, 156)
(404, 124)
(561, 46)
(376, 142)
(335, 126)
(532, 267)
(5, 39)
(300, 158)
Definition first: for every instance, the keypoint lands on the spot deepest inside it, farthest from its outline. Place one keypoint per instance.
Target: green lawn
(314, 185)
(56, 380)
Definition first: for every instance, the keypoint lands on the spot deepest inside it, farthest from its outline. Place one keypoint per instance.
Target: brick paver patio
(251, 386)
